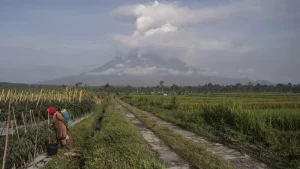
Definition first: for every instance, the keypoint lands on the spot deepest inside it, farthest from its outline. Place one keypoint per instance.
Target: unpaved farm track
(166, 155)
(236, 158)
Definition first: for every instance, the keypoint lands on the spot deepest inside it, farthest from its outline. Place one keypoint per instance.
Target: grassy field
(264, 125)
(196, 155)
(248, 100)
(118, 144)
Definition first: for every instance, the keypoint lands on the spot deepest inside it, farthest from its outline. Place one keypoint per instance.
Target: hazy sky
(256, 39)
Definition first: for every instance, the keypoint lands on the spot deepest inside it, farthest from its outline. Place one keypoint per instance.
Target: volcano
(146, 70)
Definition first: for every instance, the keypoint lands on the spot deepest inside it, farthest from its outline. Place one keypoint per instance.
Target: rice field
(266, 126)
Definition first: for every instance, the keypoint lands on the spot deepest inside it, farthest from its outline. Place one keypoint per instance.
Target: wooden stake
(49, 125)
(70, 93)
(31, 97)
(16, 123)
(37, 103)
(7, 96)
(31, 117)
(2, 93)
(35, 142)
(6, 139)
(24, 121)
(21, 96)
(80, 95)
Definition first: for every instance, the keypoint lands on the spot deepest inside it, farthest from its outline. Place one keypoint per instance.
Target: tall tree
(161, 83)
(107, 88)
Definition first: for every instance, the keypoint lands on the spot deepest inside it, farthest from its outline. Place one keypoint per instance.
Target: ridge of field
(269, 133)
(118, 144)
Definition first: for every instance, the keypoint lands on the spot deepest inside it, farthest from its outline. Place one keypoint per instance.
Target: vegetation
(207, 88)
(82, 135)
(268, 129)
(31, 125)
(192, 152)
(118, 144)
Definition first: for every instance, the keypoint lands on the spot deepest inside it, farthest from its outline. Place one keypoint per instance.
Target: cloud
(222, 39)
(119, 66)
(161, 29)
(142, 71)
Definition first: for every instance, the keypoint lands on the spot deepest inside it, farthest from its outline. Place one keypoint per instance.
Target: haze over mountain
(147, 70)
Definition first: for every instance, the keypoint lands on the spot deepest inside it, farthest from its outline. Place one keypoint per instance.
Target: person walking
(60, 126)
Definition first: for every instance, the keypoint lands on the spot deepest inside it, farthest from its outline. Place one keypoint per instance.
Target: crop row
(31, 128)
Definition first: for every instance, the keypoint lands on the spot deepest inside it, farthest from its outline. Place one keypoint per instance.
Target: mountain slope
(145, 70)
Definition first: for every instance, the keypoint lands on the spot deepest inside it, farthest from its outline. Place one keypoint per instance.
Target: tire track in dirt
(171, 159)
(239, 160)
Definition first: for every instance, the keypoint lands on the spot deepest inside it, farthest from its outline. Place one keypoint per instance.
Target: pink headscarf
(51, 110)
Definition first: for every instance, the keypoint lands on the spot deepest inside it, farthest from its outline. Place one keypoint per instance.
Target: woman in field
(60, 126)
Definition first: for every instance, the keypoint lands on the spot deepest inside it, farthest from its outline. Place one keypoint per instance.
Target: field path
(166, 155)
(239, 160)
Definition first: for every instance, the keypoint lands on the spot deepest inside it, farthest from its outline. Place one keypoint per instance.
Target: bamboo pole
(69, 95)
(7, 96)
(35, 142)
(24, 121)
(49, 126)
(6, 139)
(31, 117)
(2, 93)
(37, 103)
(3, 126)
(16, 123)
(80, 96)
(31, 97)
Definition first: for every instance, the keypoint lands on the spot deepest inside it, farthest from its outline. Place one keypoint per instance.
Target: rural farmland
(149, 84)
(264, 125)
(138, 130)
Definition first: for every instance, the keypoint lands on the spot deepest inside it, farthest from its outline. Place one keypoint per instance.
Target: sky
(255, 39)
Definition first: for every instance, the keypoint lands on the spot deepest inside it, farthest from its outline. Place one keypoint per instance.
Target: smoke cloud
(163, 29)
(231, 39)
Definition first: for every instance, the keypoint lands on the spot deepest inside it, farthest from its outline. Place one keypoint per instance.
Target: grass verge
(190, 151)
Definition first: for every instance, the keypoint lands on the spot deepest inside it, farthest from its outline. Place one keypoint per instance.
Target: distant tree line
(207, 88)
